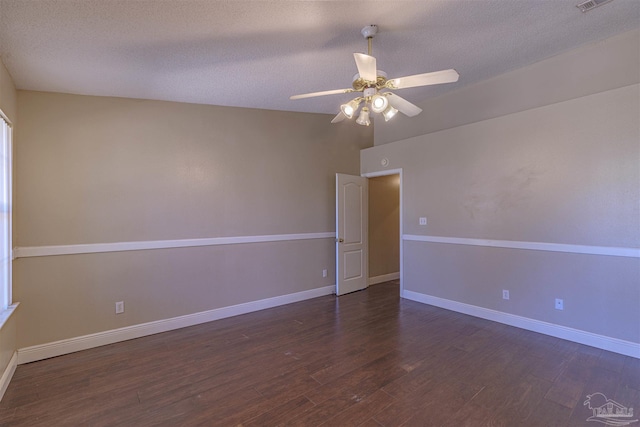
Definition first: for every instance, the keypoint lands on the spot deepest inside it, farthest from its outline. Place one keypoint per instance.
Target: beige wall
(548, 153)
(95, 170)
(565, 173)
(384, 225)
(100, 170)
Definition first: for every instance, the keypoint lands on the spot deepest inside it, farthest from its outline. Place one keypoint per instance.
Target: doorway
(354, 270)
(384, 227)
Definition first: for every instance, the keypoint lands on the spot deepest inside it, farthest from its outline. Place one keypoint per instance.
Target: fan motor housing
(359, 84)
(370, 91)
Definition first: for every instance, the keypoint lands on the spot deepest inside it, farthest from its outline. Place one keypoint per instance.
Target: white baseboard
(616, 345)
(57, 348)
(8, 374)
(384, 278)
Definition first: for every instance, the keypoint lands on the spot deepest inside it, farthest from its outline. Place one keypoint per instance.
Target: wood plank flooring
(363, 359)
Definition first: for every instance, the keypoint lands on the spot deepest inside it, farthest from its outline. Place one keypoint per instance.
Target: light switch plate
(423, 220)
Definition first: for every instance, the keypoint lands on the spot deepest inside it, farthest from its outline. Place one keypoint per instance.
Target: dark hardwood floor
(364, 359)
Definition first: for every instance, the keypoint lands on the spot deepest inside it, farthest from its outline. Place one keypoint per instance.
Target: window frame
(6, 224)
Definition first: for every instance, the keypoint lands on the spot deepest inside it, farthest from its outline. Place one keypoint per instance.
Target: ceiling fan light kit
(375, 88)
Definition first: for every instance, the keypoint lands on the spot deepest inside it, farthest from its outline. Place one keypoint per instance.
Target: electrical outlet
(559, 304)
(120, 307)
(423, 220)
(505, 294)
(324, 273)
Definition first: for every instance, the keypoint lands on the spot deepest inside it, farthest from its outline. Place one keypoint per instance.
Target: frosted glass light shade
(379, 103)
(363, 118)
(349, 108)
(389, 113)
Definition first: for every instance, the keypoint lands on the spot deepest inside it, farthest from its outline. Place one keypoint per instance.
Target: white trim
(57, 348)
(7, 313)
(6, 192)
(8, 291)
(384, 278)
(537, 246)
(382, 173)
(8, 374)
(5, 118)
(616, 345)
(36, 251)
(401, 233)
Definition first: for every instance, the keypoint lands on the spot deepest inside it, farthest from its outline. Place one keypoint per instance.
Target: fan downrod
(359, 84)
(369, 32)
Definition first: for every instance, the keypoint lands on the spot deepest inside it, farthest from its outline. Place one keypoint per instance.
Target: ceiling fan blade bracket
(381, 82)
(390, 84)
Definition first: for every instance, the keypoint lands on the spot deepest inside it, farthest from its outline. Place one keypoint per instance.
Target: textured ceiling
(258, 53)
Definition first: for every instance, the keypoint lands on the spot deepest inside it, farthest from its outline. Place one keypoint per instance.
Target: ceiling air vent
(586, 6)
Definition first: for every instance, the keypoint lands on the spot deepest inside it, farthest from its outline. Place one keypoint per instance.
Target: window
(5, 212)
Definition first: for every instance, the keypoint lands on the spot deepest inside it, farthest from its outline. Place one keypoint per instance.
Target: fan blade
(437, 77)
(340, 117)
(366, 66)
(326, 92)
(402, 105)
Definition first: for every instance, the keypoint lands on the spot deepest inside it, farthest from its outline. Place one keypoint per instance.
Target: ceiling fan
(375, 88)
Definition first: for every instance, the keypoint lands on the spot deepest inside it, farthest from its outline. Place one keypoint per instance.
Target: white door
(352, 204)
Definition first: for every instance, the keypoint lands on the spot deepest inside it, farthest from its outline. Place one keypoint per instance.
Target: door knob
(340, 240)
